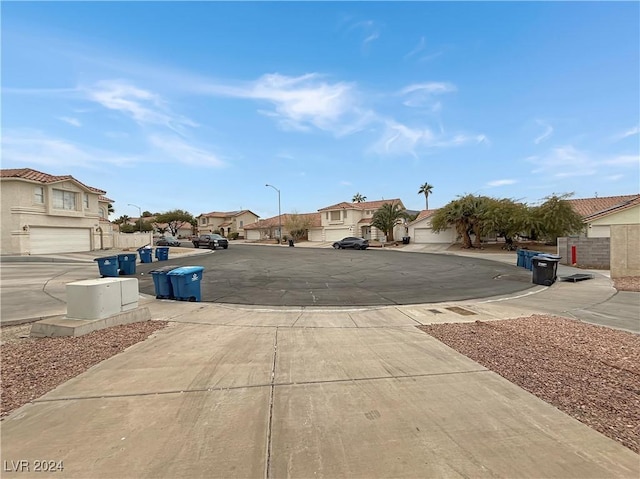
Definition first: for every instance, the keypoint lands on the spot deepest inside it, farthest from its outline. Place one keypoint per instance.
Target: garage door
(59, 240)
(426, 235)
(337, 234)
(315, 234)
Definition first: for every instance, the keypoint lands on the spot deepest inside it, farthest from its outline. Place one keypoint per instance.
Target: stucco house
(43, 213)
(353, 219)
(420, 230)
(599, 214)
(268, 228)
(227, 222)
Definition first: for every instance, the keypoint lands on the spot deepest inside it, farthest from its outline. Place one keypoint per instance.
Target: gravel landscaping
(590, 372)
(627, 283)
(32, 367)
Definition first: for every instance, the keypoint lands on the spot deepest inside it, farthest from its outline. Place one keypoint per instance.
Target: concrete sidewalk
(254, 393)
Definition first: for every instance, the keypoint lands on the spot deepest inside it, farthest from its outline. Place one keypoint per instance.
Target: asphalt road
(283, 276)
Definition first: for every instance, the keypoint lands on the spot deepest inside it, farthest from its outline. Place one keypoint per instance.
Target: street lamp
(139, 215)
(279, 214)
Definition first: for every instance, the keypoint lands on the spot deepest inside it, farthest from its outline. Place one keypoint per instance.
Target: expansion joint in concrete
(267, 468)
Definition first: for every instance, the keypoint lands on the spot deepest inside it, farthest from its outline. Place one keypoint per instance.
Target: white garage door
(252, 235)
(337, 234)
(59, 240)
(426, 235)
(315, 234)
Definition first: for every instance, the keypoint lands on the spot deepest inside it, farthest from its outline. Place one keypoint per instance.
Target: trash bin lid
(550, 256)
(186, 270)
(163, 270)
(106, 258)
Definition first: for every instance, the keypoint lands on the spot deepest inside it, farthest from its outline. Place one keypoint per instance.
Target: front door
(366, 232)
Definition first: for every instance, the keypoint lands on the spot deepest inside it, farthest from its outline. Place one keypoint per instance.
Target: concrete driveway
(297, 393)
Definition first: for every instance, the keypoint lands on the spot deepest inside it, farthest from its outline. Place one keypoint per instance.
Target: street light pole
(139, 215)
(279, 214)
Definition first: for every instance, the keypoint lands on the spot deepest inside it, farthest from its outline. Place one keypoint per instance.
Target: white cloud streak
(71, 121)
(627, 133)
(496, 183)
(176, 149)
(143, 106)
(421, 94)
(548, 131)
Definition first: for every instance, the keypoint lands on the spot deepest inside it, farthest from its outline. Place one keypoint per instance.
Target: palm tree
(387, 217)
(358, 198)
(426, 189)
(110, 209)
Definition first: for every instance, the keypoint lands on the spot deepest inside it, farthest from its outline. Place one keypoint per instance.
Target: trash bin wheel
(192, 299)
(548, 282)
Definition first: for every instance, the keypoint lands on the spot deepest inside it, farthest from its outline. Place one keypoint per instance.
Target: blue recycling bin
(185, 282)
(162, 253)
(520, 260)
(108, 266)
(162, 282)
(127, 263)
(145, 255)
(528, 257)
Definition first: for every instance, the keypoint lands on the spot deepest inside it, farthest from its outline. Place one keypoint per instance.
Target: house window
(335, 215)
(327, 215)
(241, 223)
(86, 201)
(203, 221)
(344, 214)
(103, 213)
(64, 200)
(38, 195)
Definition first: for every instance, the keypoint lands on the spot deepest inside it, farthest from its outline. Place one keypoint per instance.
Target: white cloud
(400, 139)
(418, 48)
(623, 160)
(345, 183)
(28, 147)
(627, 133)
(421, 94)
(495, 183)
(176, 149)
(548, 131)
(71, 121)
(303, 102)
(143, 106)
(564, 162)
(370, 30)
(614, 177)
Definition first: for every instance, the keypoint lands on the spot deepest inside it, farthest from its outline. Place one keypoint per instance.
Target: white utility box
(101, 298)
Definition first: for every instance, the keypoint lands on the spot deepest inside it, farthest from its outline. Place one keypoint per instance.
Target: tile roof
(227, 214)
(316, 221)
(365, 205)
(424, 214)
(40, 177)
(620, 207)
(586, 207)
(105, 199)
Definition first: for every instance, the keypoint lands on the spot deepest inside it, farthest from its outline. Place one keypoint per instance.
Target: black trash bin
(290, 242)
(544, 270)
(406, 239)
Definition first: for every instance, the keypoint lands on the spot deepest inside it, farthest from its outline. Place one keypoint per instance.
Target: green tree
(146, 214)
(426, 190)
(110, 209)
(175, 220)
(555, 217)
(122, 219)
(298, 225)
(507, 218)
(467, 214)
(358, 198)
(387, 217)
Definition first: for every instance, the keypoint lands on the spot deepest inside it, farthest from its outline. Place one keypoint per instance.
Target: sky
(199, 105)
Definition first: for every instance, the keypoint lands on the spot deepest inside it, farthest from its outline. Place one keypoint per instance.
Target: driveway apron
(295, 393)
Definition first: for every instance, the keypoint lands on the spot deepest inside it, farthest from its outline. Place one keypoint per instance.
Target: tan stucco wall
(625, 250)
(19, 210)
(599, 228)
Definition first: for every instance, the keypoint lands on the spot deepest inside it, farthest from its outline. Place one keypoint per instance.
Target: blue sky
(198, 105)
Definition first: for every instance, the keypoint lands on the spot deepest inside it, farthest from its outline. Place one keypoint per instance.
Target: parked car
(351, 242)
(212, 241)
(168, 241)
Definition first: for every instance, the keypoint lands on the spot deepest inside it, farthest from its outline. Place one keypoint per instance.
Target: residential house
(226, 223)
(599, 214)
(43, 213)
(420, 230)
(268, 228)
(353, 219)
